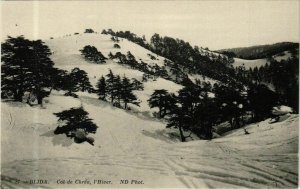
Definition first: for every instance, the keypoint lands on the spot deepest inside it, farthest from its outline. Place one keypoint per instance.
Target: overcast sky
(213, 24)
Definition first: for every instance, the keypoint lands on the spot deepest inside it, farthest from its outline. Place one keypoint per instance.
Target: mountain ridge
(261, 51)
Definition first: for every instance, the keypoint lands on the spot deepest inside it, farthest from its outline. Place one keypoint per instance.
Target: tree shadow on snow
(96, 102)
(168, 137)
(59, 139)
(103, 104)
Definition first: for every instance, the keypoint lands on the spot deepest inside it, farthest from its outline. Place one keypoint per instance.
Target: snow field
(129, 146)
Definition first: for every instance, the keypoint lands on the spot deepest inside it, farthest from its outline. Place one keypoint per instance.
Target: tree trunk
(18, 96)
(231, 122)
(40, 100)
(181, 134)
(160, 110)
(112, 99)
(50, 90)
(39, 97)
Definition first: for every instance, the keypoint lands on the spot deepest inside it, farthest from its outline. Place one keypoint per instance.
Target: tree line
(194, 60)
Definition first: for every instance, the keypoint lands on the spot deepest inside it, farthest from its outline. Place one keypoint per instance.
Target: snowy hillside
(260, 62)
(135, 147)
(283, 56)
(66, 56)
(249, 63)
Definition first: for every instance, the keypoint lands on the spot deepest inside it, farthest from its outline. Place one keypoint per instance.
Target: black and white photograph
(150, 94)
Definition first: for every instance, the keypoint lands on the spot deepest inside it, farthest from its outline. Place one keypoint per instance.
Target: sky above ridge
(213, 24)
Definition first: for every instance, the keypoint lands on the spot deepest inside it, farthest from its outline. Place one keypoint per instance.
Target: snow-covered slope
(69, 46)
(260, 62)
(130, 146)
(283, 56)
(66, 55)
(249, 63)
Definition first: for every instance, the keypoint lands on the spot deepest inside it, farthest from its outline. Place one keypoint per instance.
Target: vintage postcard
(149, 94)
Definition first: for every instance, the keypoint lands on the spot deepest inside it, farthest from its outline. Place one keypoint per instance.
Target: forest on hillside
(261, 51)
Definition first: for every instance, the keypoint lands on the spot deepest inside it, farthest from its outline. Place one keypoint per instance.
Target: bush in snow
(117, 46)
(89, 30)
(115, 39)
(92, 54)
(75, 123)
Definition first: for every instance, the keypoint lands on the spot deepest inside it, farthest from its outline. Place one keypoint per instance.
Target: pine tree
(70, 85)
(92, 54)
(102, 88)
(81, 79)
(262, 100)
(131, 61)
(117, 90)
(15, 55)
(179, 119)
(163, 101)
(76, 81)
(26, 67)
(58, 79)
(229, 99)
(126, 93)
(206, 115)
(137, 85)
(74, 119)
(111, 85)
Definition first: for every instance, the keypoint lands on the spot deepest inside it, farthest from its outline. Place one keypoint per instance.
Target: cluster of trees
(149, 70)
(151, 56)
(192, 59)
(128, 35)
(92, 54)
(198, 108)
(280, 76)
(283, 76)
(117, 89)
(26, 67)
(115, 39)
(89, 30)
(191, 110)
